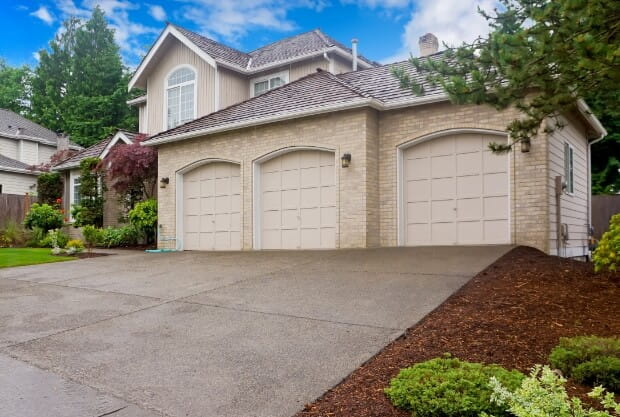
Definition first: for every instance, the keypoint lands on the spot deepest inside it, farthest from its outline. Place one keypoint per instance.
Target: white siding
(143, 117)
(28, 152)
(234, 88)
(45, 153)
(8, 147)
(574, 207)
(14, 183)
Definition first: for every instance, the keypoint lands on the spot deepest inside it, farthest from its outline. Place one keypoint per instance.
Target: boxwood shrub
(449, 387)
(590, 360)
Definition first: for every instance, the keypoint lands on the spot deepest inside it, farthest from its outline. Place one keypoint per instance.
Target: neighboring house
(347, 160)
(70, 170)
(24, 145)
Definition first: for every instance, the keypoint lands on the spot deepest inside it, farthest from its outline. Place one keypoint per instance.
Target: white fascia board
(584, 109)
(169, 31)
(137, 100)
(346, 54)
(119, 136)
(19, 170)
(42, 141)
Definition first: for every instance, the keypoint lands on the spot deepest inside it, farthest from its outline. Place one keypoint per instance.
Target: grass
(28, 256)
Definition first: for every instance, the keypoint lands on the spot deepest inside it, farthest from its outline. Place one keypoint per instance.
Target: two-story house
(23, 146)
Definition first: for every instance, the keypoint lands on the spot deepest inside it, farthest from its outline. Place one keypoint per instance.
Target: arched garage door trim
(400, 177)
(179, 192)
(256, 184)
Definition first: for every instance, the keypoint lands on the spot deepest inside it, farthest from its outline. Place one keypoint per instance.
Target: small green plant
(590, 360)
(55, 239)
(36, 238)
(121, 236)
(92, 236)
(12, 235)
(44, 217)
(449, 387)
(543, 394)
(144, 218)
(607, 253)
(74, 246)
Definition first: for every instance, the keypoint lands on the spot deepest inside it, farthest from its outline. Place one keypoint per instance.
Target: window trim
(73, 175)
(166, 88)
(267, 77)
(569, 168)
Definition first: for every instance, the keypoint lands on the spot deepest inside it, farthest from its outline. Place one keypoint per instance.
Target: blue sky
(387, 30)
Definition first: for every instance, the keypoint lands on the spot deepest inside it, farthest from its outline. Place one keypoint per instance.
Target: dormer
(187, 75)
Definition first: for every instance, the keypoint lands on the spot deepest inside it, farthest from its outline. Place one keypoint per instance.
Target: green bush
(606, 256)
(12, 235)
(49, 188)
(144, 218)
(54, 239)
(543, 394)
(35, 240)
(92, 236)
(44, 217)
(74, 246)
(448, 387)
(121, 236)
(590, 360)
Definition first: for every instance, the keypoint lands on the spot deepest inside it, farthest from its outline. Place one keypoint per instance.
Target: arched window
(180, 100)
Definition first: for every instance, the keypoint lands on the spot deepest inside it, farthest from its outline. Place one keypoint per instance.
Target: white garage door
(298, 201)
(212, 207)
(456, 191)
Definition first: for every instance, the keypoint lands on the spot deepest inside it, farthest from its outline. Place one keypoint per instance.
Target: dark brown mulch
(512, 314)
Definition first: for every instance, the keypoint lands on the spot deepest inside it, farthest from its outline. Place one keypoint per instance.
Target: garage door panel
(495, 207)
(470, 186)
(271, 181)
(207, 187)
(495, 184)
(442, 146)
(418, 169)
(222, 222)
(468, 163)
(192, 223)
(207, 224)
(307, 199)
(418, 233)
(222, 186)
(222, 204)
(192, 241)
(468, 143)
(222, 239)
(207, 205)
(443, 188)
(191, 189)
(469, 209)
(418, 212)
(272, 200)
(192, 205)
(443, 233)
(442, 166)
(495, 231)
(418, 190)
(493, 162)
(470, 232)
(206, 241)
(443, 210)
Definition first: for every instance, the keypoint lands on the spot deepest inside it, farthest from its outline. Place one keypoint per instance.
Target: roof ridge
(323, 37)
(349, 86)
(282, 40)
(209, 39)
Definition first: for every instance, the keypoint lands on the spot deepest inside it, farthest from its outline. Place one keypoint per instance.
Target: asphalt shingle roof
(215, 49)
(10, 163)
(11, 121)
(93, 151)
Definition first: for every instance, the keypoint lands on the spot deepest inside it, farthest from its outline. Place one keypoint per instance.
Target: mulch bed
(512, 314)
(86, 255)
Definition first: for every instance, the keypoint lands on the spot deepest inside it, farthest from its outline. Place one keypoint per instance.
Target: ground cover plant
(10, 257)
(512, 314)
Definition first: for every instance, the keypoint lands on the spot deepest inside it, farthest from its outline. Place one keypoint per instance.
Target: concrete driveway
(209, 334)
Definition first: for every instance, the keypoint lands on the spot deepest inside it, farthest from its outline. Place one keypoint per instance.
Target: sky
(387, 30)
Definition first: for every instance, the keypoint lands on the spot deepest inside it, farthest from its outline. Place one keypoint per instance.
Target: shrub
(36, 238)
(590, 360)
(449, 387)
(92, 236)
(92, 189)
(44, 217)
(13, 234)
(49, 187)
(144, 218)
(607, 253)
(121, 236)
(54, 239)
(74, 246)
(543, 394)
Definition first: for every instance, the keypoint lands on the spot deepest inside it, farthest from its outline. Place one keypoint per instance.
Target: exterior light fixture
(163, 182)
(346, 160)
(526, 145)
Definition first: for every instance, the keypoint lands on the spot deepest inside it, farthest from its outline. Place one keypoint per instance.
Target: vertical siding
(342, 65)
(45, 153)
(303, 68)
(143, 120)
(173, 54)
(8, 147)
(29, 152)
(234, 87)
(574, 208)
(14, 183)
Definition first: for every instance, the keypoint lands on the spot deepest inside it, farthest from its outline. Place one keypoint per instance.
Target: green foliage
(92, 189)
(74, 246)
(12, 235)
(14, 82)
(590, 360)
(144, 218)
(43, 216)
(543, 394)
(448, 387)
(36, 238)
(606, 153)
(560, 49)
(92, 236)
(607, 253)
(49, 188)
(54, 239)
(121, 236)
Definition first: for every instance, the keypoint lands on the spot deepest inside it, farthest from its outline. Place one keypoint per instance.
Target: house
(344, 157)
(70, 171)
(23, 146)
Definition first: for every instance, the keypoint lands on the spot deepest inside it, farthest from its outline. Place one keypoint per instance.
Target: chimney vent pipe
(354, 52)
(429, 44)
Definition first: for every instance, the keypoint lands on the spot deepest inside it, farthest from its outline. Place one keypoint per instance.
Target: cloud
(452, 21)
(375, 4)
(43, 14)
(157, 12)
(36, 56)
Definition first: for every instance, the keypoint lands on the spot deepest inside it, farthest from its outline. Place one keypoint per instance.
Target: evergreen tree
(14, 87)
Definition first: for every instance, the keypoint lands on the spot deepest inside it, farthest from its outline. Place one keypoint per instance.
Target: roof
(10, 122)
(218, 51)
(94, 151)
(375, 87)
(13, 165)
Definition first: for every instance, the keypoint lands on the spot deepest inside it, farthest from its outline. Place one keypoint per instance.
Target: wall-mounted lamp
(526, 145)
(346, 160)
(163, 182)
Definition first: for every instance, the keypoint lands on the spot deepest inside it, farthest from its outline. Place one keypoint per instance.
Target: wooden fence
(603, 207)
(13, 208)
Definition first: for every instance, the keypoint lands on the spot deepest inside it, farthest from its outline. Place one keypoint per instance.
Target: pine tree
(14, 87)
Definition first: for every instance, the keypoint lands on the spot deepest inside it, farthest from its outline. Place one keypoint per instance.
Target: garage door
(212, 207)
(456, 191)
(298, 201)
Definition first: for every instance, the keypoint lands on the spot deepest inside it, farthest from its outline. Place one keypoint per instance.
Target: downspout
(589, 150)
(330, 61)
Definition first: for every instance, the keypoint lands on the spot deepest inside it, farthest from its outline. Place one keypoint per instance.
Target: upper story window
(261, 85)
(180, 97)
(569, 168)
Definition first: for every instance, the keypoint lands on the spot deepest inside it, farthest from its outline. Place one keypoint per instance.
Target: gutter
(36, 139)
(316, 110)
(20, 170)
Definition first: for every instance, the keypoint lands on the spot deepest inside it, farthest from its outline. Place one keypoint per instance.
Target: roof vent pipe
(354, 52)
(20, 131)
